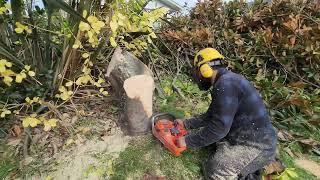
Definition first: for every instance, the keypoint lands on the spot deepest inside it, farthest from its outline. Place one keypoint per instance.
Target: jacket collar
(221, 71)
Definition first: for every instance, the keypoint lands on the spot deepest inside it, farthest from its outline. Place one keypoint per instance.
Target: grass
(145, 155)
(6, 167)
(8, 162)
(289, 162)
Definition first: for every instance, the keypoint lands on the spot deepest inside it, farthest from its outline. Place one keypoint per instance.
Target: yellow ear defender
(207, 71)
(205, 59)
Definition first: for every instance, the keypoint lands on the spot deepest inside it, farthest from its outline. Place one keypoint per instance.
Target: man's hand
(181, 142)
(180, 122)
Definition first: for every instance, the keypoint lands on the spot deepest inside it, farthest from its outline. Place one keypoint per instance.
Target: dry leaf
(288, 151)
(293, 40)
(285, 135)
(298, 84)
(17, 130)
(273, 167)
(308, 143)
(13, 142)
(315, 122)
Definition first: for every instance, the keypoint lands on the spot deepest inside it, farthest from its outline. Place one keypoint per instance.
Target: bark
(133, 84)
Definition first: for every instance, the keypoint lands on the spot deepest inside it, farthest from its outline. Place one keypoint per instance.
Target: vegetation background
(54, 96)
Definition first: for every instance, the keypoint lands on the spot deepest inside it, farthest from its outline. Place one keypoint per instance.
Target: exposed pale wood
(139, 91)
(133, 84)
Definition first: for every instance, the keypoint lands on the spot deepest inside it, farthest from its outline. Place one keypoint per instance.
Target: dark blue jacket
(236, 114)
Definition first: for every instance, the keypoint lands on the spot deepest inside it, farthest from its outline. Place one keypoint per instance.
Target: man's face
(204, 84)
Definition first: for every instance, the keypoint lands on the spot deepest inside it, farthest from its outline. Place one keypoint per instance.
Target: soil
(77, 164)
(85, 153)
(308, 165)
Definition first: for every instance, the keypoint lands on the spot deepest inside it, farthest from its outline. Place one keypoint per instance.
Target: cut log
(138, 108)
(133, 84)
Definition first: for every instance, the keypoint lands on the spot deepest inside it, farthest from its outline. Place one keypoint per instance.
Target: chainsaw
(168, 132)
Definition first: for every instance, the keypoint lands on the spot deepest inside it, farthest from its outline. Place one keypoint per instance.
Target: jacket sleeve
(196, 122)
(224, 105)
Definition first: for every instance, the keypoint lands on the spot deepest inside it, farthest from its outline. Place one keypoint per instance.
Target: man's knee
(215, 171)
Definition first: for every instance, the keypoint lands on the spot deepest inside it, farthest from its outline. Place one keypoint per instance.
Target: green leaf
(17, 9)
(60, 4)
(9, 55)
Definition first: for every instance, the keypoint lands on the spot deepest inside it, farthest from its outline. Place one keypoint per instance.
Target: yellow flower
(84, 26)
(113, 42)
(114, 26)
(34, 100)
(31, 121)
(50, 124)
(92, 19)
(77, 44)
(19, 78)
(31, 73)
(27, 67)
(28, 30)
(86, 70)
(28, 99)
(3, 64)
(84, 13)
(5, 112)
(97, 26)
(70, 83)
(7, 80)
(83, 80)
(85, 55)
(100, 80)
(2, 10)
(64, 93)
(105, 93)
(20, 28)
(153, 35)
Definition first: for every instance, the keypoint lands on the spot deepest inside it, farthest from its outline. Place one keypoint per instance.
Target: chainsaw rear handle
(159, 116)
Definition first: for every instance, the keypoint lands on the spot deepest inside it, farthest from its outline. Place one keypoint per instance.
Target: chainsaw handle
(159, 116)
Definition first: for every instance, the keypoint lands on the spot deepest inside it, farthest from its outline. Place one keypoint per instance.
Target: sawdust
(81, 162)
(309, 166)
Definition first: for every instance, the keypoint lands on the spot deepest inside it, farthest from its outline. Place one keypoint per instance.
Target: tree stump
(133, 84)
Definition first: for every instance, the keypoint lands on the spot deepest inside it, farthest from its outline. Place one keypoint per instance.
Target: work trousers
(233, 162)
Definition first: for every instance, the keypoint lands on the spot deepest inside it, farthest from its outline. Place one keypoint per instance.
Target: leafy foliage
(275, 45)
(64, 50)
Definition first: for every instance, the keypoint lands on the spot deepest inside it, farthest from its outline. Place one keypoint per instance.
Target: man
(236, 122)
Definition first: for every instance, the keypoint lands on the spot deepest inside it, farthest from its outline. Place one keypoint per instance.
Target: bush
(275, 45)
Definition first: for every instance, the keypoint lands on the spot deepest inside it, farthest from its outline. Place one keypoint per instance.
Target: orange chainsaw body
(168, 132)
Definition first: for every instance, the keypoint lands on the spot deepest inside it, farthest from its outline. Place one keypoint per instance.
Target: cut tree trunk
(133, 84)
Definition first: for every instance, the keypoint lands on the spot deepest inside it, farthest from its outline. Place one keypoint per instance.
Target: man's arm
(220, 114)
(196, 122)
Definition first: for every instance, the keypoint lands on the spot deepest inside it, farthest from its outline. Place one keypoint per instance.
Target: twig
(28, 136)
(160, 90)
(174, 87)
(26, 142)
(288, 71)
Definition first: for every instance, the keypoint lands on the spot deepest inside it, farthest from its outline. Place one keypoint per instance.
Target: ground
(93, 147)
